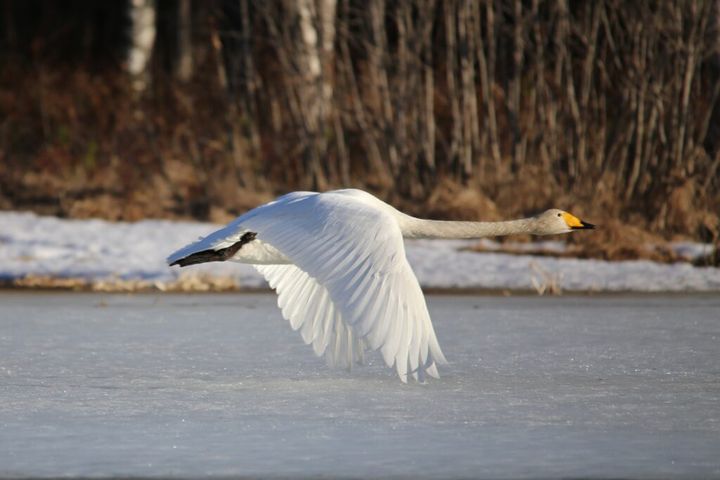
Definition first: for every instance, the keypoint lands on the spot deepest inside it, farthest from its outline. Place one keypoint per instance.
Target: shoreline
(12, 287)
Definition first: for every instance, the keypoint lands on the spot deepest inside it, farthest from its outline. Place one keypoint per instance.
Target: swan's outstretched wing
(233, 231)
(307, 306)
(354, 251)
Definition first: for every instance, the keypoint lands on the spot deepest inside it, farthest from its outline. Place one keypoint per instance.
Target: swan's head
(554, 221)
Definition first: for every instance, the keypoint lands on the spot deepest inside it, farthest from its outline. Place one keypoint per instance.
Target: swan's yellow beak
(575, 223)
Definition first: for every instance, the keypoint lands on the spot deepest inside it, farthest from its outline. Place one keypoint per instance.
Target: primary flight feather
(337, 261)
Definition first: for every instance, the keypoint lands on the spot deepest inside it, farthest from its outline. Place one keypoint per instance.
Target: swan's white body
(337, 261)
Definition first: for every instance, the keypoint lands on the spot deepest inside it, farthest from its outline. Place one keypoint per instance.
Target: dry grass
(613, 240)
(185, 283)
(453, 200)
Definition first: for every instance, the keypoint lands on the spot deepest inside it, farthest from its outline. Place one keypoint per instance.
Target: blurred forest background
(487, 109)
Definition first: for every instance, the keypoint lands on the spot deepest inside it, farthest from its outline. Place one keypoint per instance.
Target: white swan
(337, 261)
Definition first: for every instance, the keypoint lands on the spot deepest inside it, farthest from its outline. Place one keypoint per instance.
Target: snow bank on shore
(99, 253)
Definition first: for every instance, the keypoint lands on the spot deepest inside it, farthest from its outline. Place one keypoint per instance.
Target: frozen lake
(218, 385)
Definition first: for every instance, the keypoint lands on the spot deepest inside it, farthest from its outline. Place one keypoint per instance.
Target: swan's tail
(213, 255)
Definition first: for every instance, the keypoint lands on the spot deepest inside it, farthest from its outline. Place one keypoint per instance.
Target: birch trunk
(142, 40)
(315, 54)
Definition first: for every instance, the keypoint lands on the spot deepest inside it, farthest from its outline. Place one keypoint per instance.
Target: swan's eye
(559, 214)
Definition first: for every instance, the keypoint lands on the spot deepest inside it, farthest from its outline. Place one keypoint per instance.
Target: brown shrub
(452, 200)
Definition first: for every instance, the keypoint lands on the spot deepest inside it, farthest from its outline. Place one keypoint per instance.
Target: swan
(337, 262)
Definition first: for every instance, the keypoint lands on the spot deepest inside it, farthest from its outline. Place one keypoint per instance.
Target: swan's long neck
(419, 228)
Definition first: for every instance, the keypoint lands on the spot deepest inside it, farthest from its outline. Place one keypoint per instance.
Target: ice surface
(197, 385)
(95, 250)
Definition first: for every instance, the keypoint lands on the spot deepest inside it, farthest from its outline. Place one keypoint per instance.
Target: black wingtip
(220, 255)
(201, 257)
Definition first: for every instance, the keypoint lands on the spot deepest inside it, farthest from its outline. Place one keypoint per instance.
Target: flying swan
(337, 261)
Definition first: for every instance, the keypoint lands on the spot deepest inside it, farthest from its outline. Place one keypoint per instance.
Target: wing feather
(307, 306)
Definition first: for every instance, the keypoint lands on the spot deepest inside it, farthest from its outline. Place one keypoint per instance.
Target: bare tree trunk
(453, 93)
(378, 80)
(486, 67)
(368, 132)
(428, 130)
(184, 62)
(310, 92)
(402, 91)
(327, 10)
(588, 74)
(470, 124)
(236, 71)
(640, 51)
(564, 68)
(540, 96)
(217, 49)
(251, 83)
(308, 88)
(691, 61)
(515, 81)
(142, 40)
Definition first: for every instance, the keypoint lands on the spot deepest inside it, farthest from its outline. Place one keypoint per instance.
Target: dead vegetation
(613, 240)
(184, 283)
(454, 109)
